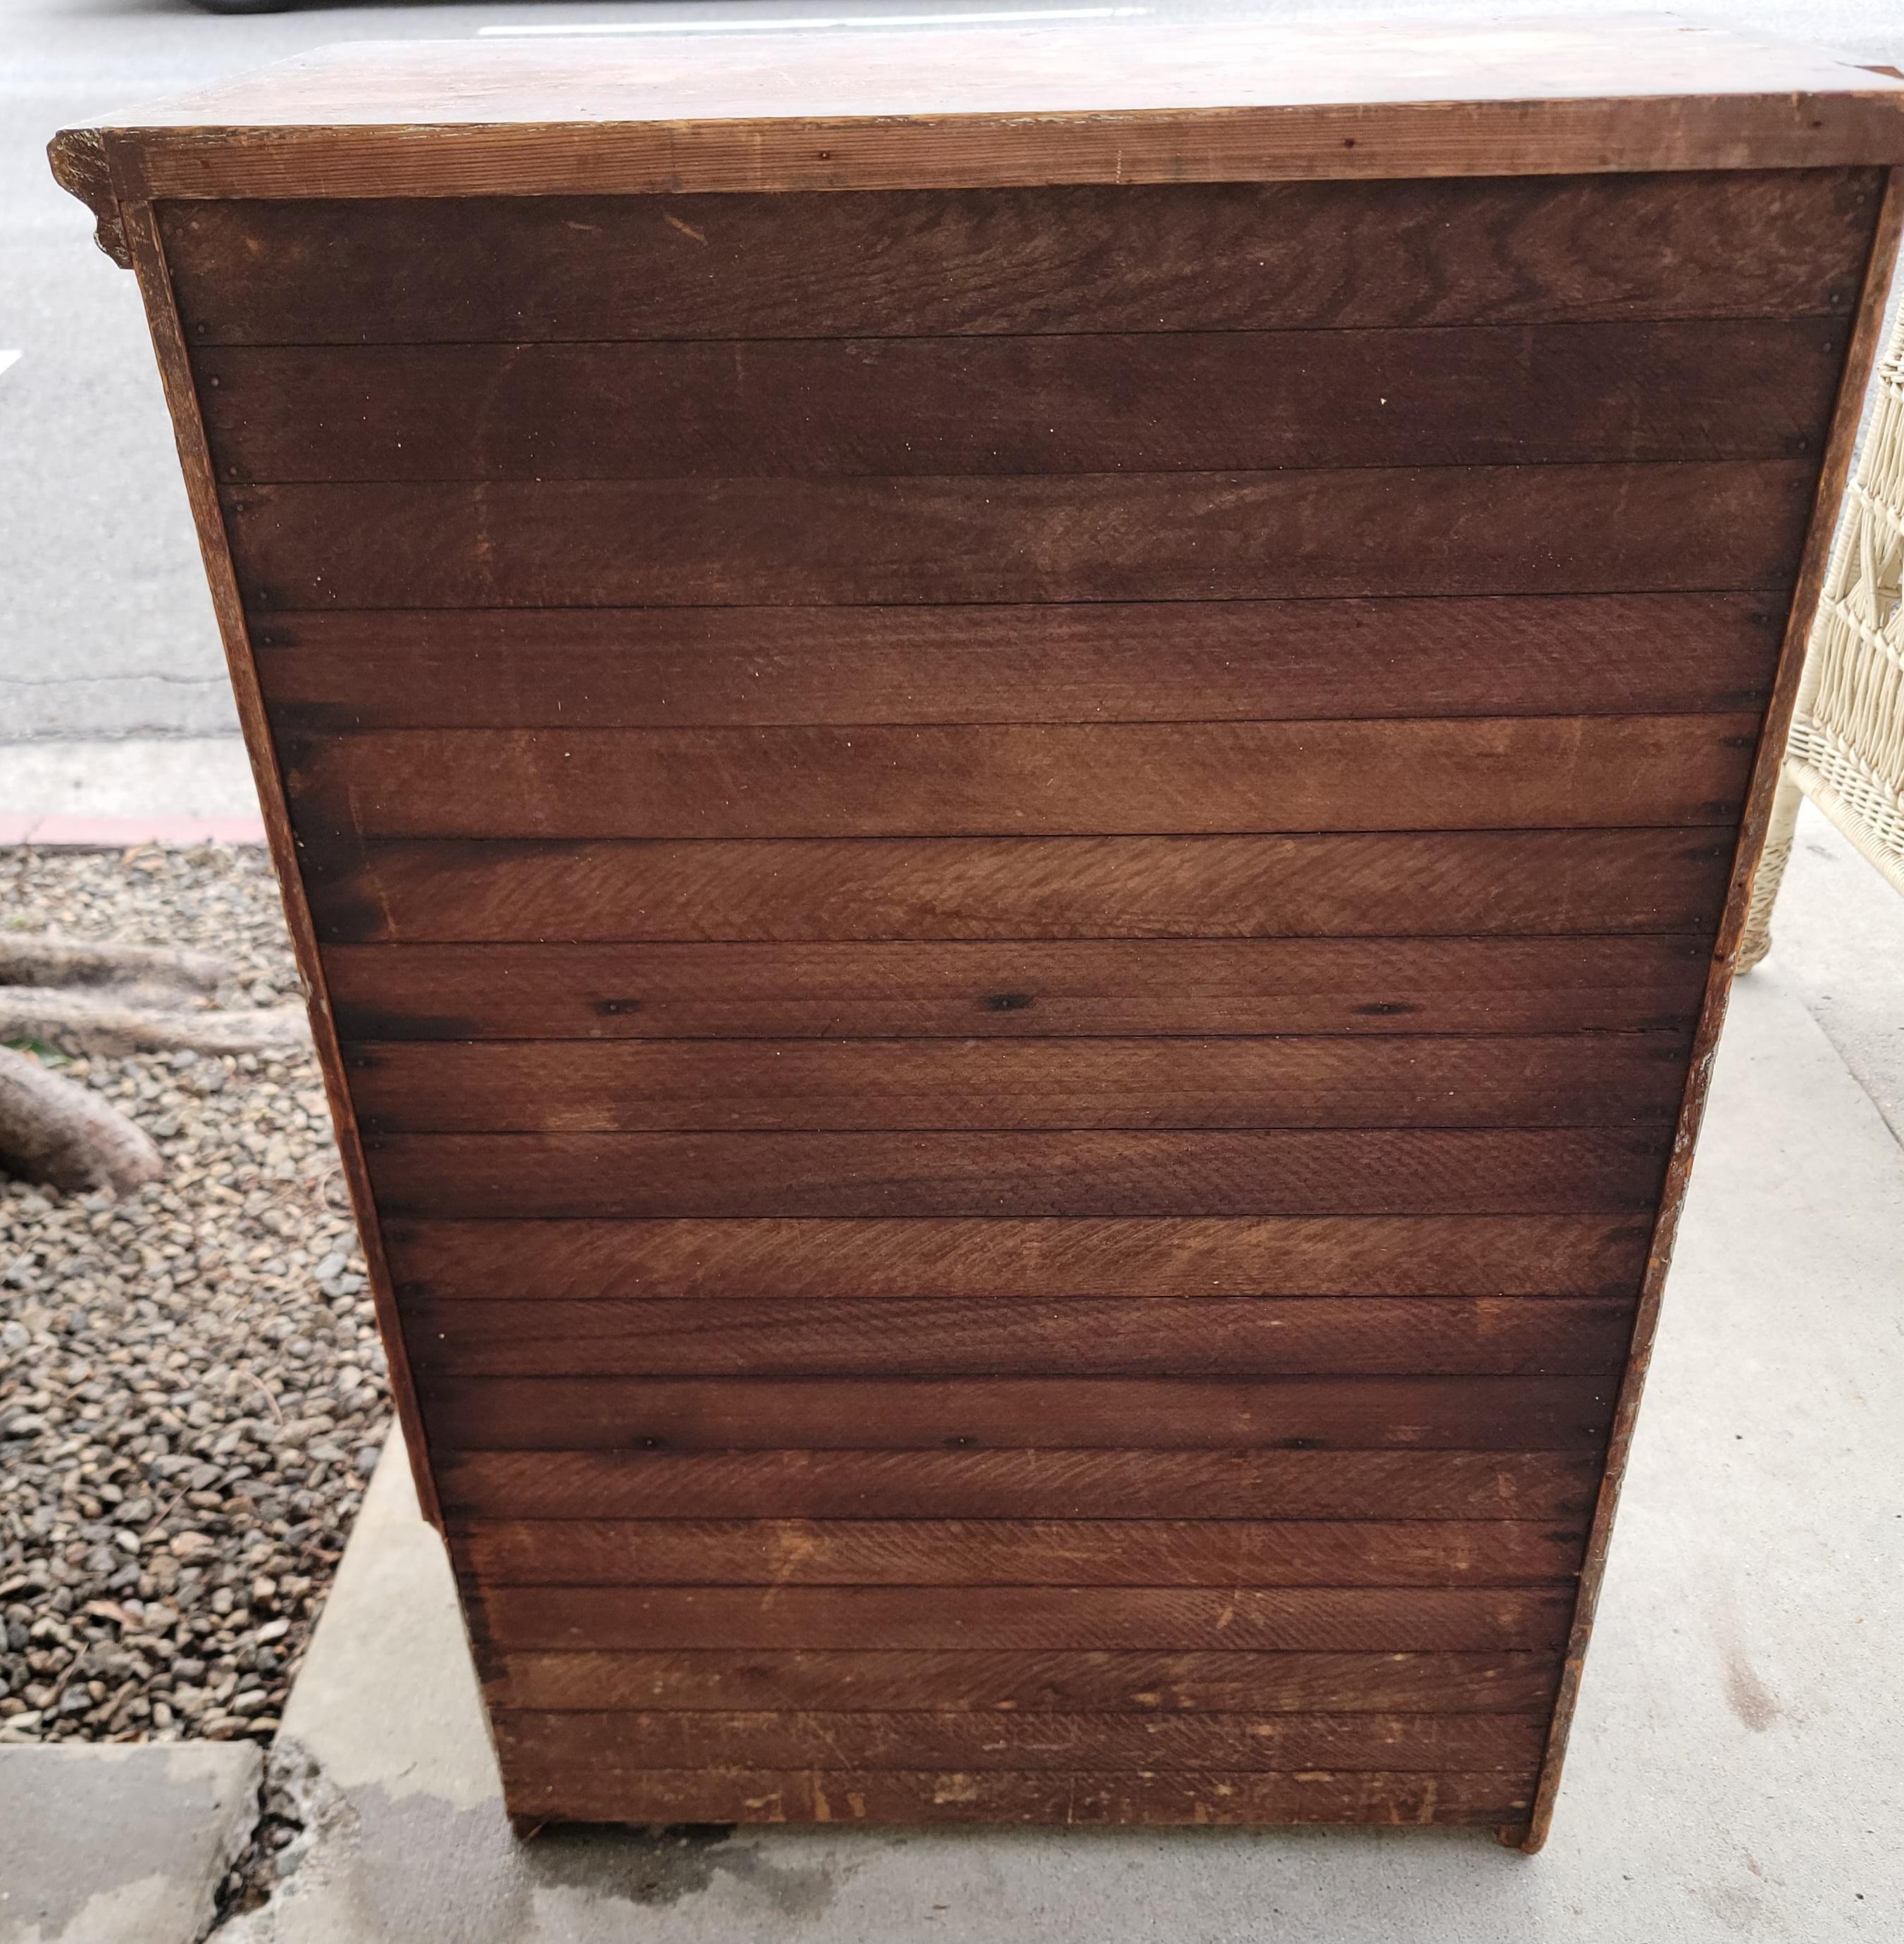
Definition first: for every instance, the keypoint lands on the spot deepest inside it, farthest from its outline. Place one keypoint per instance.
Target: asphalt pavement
(106, 628)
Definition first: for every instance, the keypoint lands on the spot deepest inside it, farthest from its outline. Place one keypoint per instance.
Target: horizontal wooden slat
(956, 1679)
(1456, 884)
(1150, 1743)
(1092, 536)
(636, 1086)
(1028, 988)
(856, 1176)
(1037, 1336)
(1537, 1255)
(1520, 1413)
(1337, 1620)
(978, 1552)
(1029, 1483)
(572, 1792)
(1156, 402)
(1091, 662)
(1032, 778)
(512, 270)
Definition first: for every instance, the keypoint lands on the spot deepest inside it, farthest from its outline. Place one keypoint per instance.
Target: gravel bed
(191, 1393)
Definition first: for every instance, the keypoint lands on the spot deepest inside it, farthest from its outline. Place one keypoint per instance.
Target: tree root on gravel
(55, 1131)
(112, 1026)
(102, 998)
(39, 958)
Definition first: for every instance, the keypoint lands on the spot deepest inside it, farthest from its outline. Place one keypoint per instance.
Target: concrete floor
(120, 1845)
(1735, 1766)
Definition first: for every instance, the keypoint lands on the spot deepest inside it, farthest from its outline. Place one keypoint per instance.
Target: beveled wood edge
(146, 257)
(110, 167)
(1846, 416)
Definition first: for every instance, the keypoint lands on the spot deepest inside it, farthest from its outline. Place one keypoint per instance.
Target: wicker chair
(1847, 748)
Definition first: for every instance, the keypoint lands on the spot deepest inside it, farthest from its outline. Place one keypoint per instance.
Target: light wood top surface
(1056, 67)
(1112, 99)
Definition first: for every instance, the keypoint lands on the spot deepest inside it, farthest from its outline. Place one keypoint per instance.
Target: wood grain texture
(1040, 102)
(859, 1177)
(1305, 1618)
(1454, 884)
(961, 1679)
(1025, 988)
(1734, 525)
(978, 1336)
(1229, 256)
(635, 1086)
(612, 1744)
(1032, 778)
(1156, 401)
(570, 1794)
(1036, 1483)
(1312, 142)
(980, 1552)
(912, 1258)
(1520, 1413)
(1103, 661)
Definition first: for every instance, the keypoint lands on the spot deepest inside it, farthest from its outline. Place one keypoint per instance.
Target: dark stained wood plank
(1030, 1483)
(615, 1744)
(1520, 1413)
(981, 1337)
(635, 1086)
(973, 1678)
(1032, 778)
(857, 1176)
(1734, 524)
(978, 1552)
(1335, 1620)
(1025, 988)
(912, 1258)
(1156, 402)
(1458, 884)
(1102, 661)
(571, 1792)
(1161, 257)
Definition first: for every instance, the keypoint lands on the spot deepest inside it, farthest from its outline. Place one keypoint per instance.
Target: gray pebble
(154, 1347)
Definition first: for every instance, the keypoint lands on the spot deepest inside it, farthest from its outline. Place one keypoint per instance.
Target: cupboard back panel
(1016, 884)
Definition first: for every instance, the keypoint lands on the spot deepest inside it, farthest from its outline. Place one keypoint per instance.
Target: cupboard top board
(1108, 100)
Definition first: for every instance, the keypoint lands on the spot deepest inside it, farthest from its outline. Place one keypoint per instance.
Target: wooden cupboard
(1016, 768)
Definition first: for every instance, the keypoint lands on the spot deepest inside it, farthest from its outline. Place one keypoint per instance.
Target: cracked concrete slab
(1733, 1772)
(120, 1845)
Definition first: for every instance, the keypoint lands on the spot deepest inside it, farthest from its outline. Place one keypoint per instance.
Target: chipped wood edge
(82, 168)
(1833, 474)
(146, 258)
